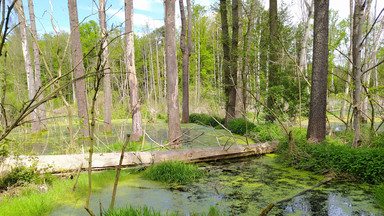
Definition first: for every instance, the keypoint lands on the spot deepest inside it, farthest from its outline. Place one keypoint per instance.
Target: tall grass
(173, 172)
(148, 211)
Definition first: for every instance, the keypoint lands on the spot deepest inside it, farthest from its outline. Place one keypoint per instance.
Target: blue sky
(147, 13)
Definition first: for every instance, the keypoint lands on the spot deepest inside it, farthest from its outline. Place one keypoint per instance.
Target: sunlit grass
(173, 172)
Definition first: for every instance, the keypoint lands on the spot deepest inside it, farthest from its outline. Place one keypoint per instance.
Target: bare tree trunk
(41, 114)
(28, 65)
(350, 66)
(137, 129)
(172, 75)
(153, 84)
(304, 42)
(358, 21)
(231, 108)
(107, 71)
(158, 73)
(186, 51)
(318, 103)
(77, 56)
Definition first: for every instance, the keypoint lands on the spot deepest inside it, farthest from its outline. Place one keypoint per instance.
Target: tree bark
(137, 129)
(106, 67)
(358, 21)
(27, 65)
(172, 75)
(231, 108)
(225, 39)
(186, 51)
(78, 65)
(273, 66)
(41, 114)
(304, 42)
(318, 103)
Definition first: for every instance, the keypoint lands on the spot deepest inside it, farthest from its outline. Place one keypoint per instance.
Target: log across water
(60, 163)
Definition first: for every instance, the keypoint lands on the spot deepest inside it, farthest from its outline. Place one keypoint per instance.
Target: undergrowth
(148, 211)
(365, 164)
(173, 172)
(379, 195)
(21, 175)
(205, 119)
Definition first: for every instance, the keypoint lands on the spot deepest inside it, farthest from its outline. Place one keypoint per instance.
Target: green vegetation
(205, 119)
(365, 164)
(173, 172)
(379, 195)
(147, 211)
(240, 126)
(23, 175)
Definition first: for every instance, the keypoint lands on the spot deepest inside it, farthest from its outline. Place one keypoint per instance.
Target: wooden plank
(64, 163)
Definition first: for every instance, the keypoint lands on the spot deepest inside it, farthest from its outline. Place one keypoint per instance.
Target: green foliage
(173, 172)
(202, 118)
(266, 132)
(366, 164)
(379, 195)
(240, 126)
(20, 175)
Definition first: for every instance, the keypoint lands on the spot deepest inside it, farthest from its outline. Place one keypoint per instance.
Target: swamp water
(238, 187)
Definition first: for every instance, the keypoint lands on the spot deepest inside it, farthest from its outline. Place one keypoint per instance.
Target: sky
(148, 14)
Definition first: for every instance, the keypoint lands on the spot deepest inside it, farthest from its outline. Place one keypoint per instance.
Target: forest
(240, 108)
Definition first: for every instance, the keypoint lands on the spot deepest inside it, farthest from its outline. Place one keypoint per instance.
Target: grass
(35, 202)
(173, 172)
(148, 211)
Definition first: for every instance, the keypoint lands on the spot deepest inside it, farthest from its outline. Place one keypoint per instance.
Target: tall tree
(350, 66)
(273, 57)
(186, 51)
(358, 22)
(231, 56)
(231, 108)
(27, 64)
(77, 57)
(107, 71)
(172, 75)
(41, 114)
(137, 129)
(318, 102)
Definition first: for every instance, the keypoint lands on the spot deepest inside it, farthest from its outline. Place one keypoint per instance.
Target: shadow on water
(243, 187)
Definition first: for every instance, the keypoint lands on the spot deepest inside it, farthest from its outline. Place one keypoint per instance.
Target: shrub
(379, 195)
(365, 164)
(173, 172)
(202, 118)
(266, 132)
(240, 126)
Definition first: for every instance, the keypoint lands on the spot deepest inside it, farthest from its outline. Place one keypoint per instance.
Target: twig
(77, 177)
(118, 172)
(230, 132)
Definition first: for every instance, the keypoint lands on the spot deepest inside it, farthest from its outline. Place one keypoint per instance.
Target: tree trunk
(77, 56)
(41, 114)
(227, 57)
(58, 163)
(137, 129)
(107, 71)
(350, 66)
(273, 66)
(304, 42)
(358, 21)
(172, 75)
(318, 103)
(186, 51)
(28, 65)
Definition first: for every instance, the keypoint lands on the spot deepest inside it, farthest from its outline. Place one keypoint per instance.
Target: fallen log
(65, 163)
